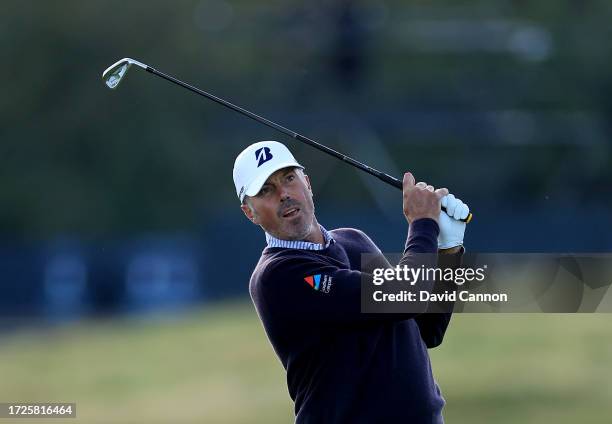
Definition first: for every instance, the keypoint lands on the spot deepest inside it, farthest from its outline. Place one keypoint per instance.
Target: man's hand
(421, 200)
(451, 229)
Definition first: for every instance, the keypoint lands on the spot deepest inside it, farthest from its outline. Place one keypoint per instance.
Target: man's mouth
(290, 212)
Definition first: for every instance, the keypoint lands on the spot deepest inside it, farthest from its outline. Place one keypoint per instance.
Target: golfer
(343, 366)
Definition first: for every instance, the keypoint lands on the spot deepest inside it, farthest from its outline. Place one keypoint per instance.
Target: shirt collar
(301, 244)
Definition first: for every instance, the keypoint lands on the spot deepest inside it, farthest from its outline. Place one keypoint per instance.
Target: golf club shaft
(380, 175)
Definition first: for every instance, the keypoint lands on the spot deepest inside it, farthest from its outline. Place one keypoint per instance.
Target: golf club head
(113, 75)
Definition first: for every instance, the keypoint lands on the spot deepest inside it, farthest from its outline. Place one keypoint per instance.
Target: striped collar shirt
(301, 244)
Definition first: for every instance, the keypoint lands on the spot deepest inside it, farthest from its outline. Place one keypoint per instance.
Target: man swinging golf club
(343, 366)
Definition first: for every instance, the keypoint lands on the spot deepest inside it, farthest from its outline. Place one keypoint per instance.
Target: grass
(216, 366)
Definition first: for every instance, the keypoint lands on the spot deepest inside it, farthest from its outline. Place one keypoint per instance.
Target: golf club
(114, 74)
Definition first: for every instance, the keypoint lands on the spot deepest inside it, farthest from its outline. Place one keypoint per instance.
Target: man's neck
(315, 235)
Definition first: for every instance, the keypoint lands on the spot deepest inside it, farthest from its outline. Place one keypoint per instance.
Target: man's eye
(264, 190)
(290, 177)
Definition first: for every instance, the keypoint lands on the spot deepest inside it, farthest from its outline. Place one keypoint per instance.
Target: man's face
(283, 207)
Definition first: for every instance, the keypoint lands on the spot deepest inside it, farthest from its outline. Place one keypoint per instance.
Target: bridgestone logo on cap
(262, 155)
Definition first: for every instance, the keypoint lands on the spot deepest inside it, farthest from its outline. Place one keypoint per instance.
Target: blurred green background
(216, 366)
(115, 203)
(504, 98)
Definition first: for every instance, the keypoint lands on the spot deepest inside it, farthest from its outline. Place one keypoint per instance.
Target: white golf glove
(451, 229)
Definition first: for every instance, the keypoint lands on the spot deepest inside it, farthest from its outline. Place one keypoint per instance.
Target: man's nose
(284, 194)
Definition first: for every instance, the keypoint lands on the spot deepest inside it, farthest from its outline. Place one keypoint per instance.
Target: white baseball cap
(256, 163)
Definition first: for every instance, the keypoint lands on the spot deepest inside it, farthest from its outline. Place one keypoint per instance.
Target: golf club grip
(381, 175)
(398, 184)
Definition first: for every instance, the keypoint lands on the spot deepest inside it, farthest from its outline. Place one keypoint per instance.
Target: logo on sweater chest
(319, 282)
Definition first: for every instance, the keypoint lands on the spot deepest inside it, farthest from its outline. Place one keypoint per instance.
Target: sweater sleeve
(432, 326)
(313, 291)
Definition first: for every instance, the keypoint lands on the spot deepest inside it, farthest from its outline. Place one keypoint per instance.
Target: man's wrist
(423, 236)
(426, 224)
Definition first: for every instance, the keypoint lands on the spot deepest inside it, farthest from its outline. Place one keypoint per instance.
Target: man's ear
(308, 184)
(249, 213)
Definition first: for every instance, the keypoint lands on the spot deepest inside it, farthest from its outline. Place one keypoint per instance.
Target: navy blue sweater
(344, 366)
